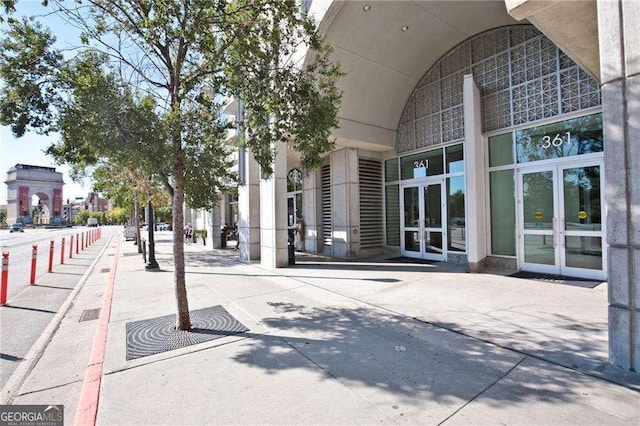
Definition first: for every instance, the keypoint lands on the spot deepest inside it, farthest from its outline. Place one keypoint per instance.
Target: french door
(560, 220)
(423, 227)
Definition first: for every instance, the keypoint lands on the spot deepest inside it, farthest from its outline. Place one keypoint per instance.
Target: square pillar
(474, 170)
(312, 211)
(213, 221)
(273, 213)
(345, 206)
(249, 210)
(619, 38)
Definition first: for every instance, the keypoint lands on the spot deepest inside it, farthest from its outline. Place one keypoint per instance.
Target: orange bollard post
(5, 278)
(51, 256)
(77, 243)
(71, 248)
(34, 258)
(62, 252)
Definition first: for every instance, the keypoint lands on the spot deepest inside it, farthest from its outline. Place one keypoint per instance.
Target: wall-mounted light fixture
(405, 28)
(366, 7)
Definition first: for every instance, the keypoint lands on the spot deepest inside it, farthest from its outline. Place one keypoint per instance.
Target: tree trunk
(183, 320)
(136, 218)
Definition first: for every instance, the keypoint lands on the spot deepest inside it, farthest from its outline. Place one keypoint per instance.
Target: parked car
(163, 226)
(92, 222)
(17, 227)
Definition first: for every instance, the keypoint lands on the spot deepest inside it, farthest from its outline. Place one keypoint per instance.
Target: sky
(29, 148)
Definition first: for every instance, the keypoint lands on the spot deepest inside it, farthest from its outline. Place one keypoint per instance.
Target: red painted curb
(87, 410)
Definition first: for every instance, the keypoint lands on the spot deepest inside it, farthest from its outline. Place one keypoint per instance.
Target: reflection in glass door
(560, 220)
(423, 234)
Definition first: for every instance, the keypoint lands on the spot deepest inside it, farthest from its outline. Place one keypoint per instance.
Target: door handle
(555, 235)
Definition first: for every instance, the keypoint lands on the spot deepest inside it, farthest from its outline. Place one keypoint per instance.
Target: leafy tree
(119, 215)
(150, 102)
(3, 217)
(81, 217)
(163, 213)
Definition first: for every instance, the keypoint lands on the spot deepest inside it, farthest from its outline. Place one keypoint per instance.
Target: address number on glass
(557, 140)
(421, 164)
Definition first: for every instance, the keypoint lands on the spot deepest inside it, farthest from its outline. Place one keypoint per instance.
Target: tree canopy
(145, 87)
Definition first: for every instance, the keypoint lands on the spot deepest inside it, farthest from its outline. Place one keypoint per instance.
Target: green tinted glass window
(455, 159)
(503, 213)
(421, 165)
(501, 150)
(392, 214)
(391, 170)
(578, 136)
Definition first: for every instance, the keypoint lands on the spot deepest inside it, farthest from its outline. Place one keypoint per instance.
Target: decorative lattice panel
(523, 77)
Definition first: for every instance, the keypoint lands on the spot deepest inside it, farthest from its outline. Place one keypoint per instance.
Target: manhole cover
(157, 335)
(103, 270)
(90, 314)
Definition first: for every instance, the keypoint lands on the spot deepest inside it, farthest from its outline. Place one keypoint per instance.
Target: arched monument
(24, 181)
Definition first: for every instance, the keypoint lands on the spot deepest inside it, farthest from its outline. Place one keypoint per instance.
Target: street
(30, 308)
(20, 244)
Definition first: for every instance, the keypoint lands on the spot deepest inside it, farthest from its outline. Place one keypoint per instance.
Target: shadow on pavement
(392, 354)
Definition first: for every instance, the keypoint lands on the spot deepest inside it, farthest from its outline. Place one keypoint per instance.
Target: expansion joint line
(333, 376)
(484, 390)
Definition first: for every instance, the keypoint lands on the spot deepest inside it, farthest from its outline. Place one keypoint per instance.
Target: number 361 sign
(557, 140)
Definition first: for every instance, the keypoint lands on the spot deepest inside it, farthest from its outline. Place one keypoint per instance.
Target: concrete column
(619, 38)
(345, 208)
(224, 210)
(474, 161)
(273, 217)
(312, 211)
(187, 213)
(213, 220)
(249, 211)
(12, 203)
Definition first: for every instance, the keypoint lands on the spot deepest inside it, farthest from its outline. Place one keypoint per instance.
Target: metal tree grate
(158, 335)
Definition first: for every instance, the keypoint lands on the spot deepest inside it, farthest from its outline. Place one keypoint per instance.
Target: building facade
(489, 133)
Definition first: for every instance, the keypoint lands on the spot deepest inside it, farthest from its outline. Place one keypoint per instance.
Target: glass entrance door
(423, 233)
(560, 220)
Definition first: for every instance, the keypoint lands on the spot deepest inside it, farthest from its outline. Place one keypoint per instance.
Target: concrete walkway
(342, 343)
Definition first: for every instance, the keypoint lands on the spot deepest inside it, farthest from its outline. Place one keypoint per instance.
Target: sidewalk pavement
(337, 342)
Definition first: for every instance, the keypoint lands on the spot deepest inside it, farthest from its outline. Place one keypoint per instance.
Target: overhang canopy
(386, 47)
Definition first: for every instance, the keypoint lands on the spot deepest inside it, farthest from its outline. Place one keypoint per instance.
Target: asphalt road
(30, 309)
(19, 245)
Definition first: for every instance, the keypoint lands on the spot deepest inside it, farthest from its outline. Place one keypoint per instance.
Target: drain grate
(103, 270)
(90, 314)
(157, 335)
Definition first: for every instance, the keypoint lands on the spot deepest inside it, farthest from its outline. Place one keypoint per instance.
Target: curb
(87, 410)
(15, 382)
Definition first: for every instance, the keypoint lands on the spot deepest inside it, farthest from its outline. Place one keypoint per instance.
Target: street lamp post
(152, 265)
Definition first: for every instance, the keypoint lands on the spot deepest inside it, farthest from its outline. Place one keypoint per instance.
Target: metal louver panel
(325, 173)
(370, 173)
